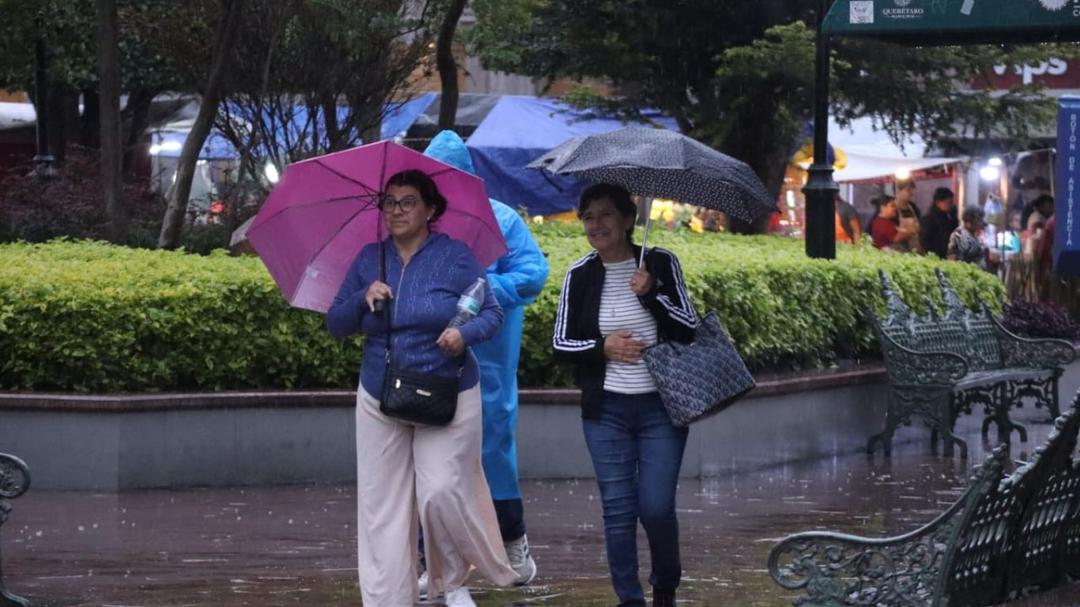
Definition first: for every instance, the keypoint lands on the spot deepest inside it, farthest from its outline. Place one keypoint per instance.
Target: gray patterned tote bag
(700, 378)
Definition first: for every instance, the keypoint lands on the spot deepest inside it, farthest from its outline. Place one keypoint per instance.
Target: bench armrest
(14, 477)
(1019, 351)
(14, 481)
(922, 368)
(840, 569)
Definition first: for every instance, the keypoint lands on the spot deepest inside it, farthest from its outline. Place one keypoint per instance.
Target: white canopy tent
(16, 115)
(872, 154)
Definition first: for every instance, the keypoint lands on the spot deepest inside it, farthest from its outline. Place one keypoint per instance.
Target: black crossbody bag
(420, 398)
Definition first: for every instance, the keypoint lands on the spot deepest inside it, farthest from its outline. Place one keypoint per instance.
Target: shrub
(69, 205)
(90, 316)
(1039, 319)
(87, 316)
(783, 310)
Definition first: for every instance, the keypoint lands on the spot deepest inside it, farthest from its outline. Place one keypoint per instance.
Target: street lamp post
(43, 160)
(820, 190)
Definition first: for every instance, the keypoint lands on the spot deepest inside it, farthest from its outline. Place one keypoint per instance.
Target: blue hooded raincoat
(516, 279)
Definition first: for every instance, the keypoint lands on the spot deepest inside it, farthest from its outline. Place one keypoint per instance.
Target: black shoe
(663, 598)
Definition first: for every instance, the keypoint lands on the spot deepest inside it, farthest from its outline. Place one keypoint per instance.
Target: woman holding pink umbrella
(409, 473)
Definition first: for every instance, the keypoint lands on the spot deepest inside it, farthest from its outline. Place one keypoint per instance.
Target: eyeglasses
(405, 203)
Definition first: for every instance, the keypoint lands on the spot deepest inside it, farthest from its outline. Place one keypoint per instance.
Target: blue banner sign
(1067, 191)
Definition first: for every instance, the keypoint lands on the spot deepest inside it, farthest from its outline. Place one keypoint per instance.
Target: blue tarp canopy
(397, 119)
(167, 144)
(518, 130)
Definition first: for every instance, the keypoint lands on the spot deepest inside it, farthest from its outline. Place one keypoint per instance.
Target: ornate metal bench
(1007, 536)
(14, 481)
(943, 364)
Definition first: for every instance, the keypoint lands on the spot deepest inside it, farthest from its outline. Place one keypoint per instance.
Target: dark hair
(1044, 199)
(972, 214)
(429, 192)
(943, 194)
(618, 195)
(878, 202)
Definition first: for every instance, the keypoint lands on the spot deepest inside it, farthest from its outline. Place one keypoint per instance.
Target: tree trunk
(110, 159)
(57, 121)
(444, 60)
(225, 39)
(90, 134)
(330, 120)
(134, 119)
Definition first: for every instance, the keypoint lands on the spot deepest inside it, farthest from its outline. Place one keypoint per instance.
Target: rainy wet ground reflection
(296, 545)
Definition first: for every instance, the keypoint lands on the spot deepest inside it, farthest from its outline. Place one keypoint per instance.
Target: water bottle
(468, 305)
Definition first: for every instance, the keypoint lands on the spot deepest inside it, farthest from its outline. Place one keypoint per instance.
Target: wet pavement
(295, 545)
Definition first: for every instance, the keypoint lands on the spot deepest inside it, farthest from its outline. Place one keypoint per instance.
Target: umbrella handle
(380, 305)
(645, 236)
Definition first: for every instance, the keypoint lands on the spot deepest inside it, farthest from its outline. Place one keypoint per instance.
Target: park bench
(942, 364)
(14, 481)
(1009, 535)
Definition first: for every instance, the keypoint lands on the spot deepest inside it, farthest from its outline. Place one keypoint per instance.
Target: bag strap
(385, 308)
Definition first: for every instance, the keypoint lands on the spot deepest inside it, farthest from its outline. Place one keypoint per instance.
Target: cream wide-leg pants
(407, 474)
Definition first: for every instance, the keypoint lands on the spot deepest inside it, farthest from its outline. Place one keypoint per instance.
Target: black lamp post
(43, 160)
(820, 190)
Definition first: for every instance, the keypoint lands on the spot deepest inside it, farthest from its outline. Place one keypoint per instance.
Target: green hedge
(783, 310)
(95, 317)
(87, 316)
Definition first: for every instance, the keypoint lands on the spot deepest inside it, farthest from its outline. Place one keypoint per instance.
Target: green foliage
(88, 316)
(68, 28)
(738, 74)
(783, 310)
(375, 49)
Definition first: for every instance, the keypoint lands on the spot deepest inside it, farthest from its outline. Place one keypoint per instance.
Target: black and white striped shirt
(621, 310)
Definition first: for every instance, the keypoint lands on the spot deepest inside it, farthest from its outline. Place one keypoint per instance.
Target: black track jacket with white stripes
(577, 338)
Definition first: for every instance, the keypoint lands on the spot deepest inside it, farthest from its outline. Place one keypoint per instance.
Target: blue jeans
(637, 453)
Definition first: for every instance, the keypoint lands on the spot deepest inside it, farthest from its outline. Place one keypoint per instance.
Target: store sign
(1053, 74)
(1067, 204)
(920, 19)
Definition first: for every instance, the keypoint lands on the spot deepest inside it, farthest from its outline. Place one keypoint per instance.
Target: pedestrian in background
(884, 228)
(847, 222)
(516, 279)
(938, 225)
(908, 216)
(965, 243)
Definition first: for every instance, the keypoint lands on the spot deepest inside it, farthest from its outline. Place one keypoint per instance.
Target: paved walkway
(295, 545)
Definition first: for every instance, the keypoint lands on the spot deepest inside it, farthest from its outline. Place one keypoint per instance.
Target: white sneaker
(520, 560)
(423, 583)
(459, 598)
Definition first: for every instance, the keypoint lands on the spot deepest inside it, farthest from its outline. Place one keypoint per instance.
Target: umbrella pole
(645, 236)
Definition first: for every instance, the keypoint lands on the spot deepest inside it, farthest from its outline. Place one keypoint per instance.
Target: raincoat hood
(450, 148)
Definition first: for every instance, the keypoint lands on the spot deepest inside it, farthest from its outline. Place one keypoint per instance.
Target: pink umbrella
(325, 209)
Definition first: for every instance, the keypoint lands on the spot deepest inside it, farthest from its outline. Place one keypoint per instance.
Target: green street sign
(944, 22)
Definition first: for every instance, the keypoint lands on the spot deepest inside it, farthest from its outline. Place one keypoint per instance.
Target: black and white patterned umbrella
(658, 163)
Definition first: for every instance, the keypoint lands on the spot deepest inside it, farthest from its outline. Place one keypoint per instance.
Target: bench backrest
(957, 329)
(1014, 534)
(1050, 510)
(975, 564)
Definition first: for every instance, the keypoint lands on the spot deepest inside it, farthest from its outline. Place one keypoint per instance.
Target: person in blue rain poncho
(516, 279)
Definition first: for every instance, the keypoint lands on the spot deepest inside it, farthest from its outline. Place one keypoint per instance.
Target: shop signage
(1067, 203)
(1054, 73)
(918, 20)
